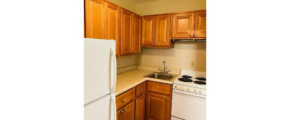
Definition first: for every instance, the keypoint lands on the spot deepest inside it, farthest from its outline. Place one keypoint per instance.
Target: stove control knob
(194, 90)
(199, 91)
(180, 87)
(190, 89)
(184, 88)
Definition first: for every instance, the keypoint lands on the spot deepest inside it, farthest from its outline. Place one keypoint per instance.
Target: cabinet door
(94, 15)
(129, 111)
(200, 24)
(182, 25)
(158, 106)
(112, 24)
(148, 27)
(126, 32)
(119, 115)
(140, 108)
(162, 30)
(83, 22)
(136, 34)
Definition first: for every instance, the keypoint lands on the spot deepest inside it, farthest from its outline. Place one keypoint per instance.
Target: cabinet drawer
(141, 89)
(125, 98)
(159, 87)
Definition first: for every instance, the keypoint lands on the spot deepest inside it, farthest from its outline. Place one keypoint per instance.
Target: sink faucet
(164, 66)
(165, 72)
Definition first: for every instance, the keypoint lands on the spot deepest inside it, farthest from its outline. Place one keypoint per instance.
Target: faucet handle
(160, 70)
(167, 71)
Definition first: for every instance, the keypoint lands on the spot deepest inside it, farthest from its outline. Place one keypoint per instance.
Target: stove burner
(185, 79)
(199, 82)
(186, 76)
(200, 78)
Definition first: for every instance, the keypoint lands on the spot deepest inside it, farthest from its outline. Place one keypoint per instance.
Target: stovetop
(191, 78)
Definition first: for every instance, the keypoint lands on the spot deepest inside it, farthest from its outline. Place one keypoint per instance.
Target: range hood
(188, 40)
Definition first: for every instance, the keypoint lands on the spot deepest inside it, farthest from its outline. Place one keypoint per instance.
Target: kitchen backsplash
(179, 57)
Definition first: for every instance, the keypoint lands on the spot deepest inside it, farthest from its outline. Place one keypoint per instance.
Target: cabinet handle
(123, 100)
(122, 111)
(131, 52)
(141, 89)
(167, 98)
(125, 110)
(143, 95)
(155, 44)
(191, 35)
(152, 44)
(195, 35)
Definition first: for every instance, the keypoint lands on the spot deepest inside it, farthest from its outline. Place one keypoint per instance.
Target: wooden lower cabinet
(146, 101)
(119, 115)
(140, 108)
(127, 112)
(158, 106)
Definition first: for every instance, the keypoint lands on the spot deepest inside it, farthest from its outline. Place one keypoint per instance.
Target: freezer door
(99, 68)
(99, 110)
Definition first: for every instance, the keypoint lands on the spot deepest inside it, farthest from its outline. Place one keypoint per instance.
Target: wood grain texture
(125, 98)
(159, 87)
(83, 21)
(140, 108)
(119, 115)
(126, 32)
(94, 19)
(183, 25)
(112, 24)
(129, 111)
(200, 24)
(136, 34)
(162, 37)
(158, 106)
(148, 30)
(141, 89)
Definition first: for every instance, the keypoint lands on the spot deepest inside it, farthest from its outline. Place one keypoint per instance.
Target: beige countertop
(130, 79)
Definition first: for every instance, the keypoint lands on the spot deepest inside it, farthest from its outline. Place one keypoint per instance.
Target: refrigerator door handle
(113, 100)
(112, 50)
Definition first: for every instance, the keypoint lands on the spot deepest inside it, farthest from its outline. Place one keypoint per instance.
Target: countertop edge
(139, 82)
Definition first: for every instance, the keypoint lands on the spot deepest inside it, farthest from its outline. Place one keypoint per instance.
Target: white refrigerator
(99, 79)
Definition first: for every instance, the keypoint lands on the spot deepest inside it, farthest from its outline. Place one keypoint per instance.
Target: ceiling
(141, 1)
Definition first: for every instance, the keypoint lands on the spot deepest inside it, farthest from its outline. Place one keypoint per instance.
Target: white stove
(188, 99)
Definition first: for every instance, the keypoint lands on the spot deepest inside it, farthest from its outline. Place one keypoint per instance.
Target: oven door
(187, 106)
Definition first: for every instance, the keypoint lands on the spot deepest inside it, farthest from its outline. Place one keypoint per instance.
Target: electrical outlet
(192, 64)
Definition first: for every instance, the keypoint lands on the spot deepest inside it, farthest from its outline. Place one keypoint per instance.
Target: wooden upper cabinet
(162, 37)
(140, 108)
(129, 111)
(182, 25)
(158, 106)
(148, 27)
(136, 34)
(112, 24)
(200, 24)
(94, 18)
(126, 32)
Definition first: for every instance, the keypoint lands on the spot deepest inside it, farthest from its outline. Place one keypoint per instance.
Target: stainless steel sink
(160, 76)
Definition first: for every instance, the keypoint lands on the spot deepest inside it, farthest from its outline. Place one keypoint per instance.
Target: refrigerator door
(98, 110)
(99, 68)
